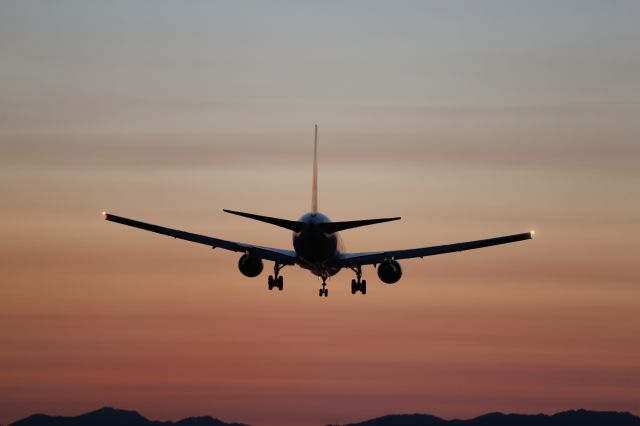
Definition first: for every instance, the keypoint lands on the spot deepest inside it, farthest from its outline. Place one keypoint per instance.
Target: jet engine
(389, 271)
(250, 266)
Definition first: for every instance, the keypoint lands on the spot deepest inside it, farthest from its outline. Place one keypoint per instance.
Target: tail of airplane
(314, 183)
(327, 227)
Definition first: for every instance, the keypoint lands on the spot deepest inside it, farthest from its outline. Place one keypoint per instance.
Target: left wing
(284, 257)
(355, 259)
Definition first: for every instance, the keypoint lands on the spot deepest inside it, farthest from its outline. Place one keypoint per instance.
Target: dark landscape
(564, 418)
(108, 416)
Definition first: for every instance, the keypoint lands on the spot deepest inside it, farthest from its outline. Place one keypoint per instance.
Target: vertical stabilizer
(314, 185)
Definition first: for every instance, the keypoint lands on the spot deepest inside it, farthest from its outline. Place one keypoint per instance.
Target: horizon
(467, 120)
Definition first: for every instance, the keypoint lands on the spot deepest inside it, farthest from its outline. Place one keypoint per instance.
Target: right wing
(370, 258)
(284, 257)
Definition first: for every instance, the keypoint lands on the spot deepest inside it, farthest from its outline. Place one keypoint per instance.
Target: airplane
(317, 245)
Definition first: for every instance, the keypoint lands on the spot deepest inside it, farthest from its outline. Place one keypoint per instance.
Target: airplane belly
(315, 247)
(319, 269)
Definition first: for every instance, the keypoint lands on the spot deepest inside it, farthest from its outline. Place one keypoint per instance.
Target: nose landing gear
(275, 280)
(358, 285)
(324, 291)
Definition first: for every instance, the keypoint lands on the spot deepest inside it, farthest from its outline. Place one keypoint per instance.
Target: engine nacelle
(250, 266)
(389, 271)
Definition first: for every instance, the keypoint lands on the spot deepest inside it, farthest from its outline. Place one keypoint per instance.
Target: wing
(355, 259)
(284, 257)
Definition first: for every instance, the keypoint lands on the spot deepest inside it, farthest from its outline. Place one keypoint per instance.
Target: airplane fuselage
(317, 250)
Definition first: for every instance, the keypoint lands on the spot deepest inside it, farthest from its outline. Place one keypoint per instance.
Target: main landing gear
(324, 291)
(276, 279)
(358, 285)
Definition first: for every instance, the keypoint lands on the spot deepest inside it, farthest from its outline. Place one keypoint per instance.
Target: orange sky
(468, 123)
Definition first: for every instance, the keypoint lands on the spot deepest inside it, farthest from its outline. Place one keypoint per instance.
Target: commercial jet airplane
(317, 245)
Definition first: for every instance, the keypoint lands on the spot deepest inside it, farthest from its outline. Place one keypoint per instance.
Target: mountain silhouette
(114, 417)
(565, 418)
(108, 416)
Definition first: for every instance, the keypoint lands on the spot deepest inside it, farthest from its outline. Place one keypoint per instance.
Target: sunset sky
(468, 119)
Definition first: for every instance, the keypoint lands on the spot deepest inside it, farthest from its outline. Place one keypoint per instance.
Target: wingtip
(532, 234)
(105, 215)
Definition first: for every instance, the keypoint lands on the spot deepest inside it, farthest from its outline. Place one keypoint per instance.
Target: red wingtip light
(105, 215)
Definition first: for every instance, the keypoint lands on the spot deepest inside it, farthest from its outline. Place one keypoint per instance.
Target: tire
(321, 293)
(353, 287)
(326, 292)
(363, 287)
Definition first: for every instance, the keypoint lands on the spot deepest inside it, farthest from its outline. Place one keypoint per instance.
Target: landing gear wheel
(358, 285)
(276, 280)
(323, 291)
(271, 282)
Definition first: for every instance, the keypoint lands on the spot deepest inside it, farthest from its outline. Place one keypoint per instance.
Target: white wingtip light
(532, 233)
(104, 215)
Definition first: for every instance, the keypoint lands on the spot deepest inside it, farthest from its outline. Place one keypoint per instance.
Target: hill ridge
(109, 416)
(581, 417)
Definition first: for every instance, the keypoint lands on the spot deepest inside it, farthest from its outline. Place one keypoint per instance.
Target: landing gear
(358, 285)
(324, 291)
(275, 280)
(275, 283)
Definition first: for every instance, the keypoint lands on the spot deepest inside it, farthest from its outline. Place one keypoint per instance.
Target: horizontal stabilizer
(293, 225)
(333, 227)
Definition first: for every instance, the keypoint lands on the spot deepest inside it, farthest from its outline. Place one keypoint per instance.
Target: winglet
(314, 184)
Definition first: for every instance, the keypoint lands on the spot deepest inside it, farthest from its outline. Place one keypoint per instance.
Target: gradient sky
(468, 119)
